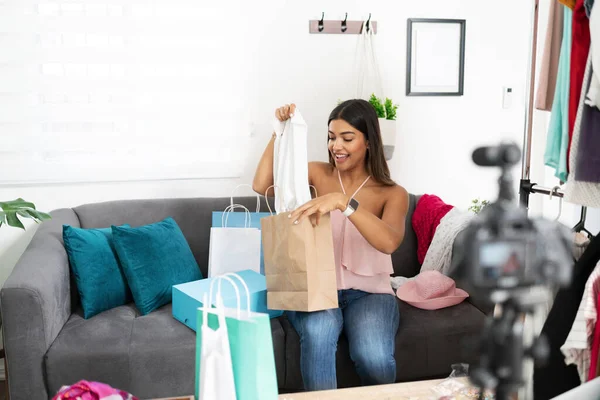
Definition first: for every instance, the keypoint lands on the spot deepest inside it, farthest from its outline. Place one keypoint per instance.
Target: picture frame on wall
(435, 57)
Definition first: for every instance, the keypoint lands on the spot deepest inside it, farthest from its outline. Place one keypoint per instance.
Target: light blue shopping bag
(250, 342)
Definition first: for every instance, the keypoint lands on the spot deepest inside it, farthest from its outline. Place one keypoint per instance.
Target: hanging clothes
(550, 58)
(576, 191)
(578, 345)
(593, 94)
(595, 344)
(557, 142)
(580, 48)
(588, 154)
(588, 7)
(568, 3)
(555, 377)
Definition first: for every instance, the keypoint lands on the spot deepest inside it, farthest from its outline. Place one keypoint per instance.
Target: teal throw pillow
(154, 258)
(100, 281)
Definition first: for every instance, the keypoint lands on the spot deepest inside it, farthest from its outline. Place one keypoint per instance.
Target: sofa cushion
(149, 356)
(100, 281)
(95, 349)
(404, 258)
(193, 215)
(155, 257)
(427, 344)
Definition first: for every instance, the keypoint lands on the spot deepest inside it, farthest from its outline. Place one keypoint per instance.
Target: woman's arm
(385, 234)
(263, 177)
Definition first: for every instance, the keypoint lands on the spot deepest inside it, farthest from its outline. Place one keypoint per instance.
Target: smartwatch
(351, 207)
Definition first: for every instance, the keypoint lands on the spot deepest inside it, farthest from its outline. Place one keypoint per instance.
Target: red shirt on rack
(580, 48)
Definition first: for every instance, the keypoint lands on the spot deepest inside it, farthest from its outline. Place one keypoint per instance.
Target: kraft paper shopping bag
(234, 249)
(299, 264)
(251, 347)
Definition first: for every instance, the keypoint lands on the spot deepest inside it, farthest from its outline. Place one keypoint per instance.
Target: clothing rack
(526, 187)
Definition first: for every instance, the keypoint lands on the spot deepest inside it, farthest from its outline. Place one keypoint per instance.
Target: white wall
(436, 134)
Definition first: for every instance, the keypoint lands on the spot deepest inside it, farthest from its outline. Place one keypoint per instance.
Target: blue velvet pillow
(154, 258)
(100, 281)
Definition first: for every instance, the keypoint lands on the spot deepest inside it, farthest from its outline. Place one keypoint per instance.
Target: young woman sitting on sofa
(368, 211)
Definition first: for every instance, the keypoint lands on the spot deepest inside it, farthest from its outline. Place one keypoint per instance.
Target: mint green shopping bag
(251, 347)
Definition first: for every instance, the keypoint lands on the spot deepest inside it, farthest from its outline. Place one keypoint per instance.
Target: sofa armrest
(35, 304)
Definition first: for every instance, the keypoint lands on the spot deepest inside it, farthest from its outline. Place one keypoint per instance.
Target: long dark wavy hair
(362, 116)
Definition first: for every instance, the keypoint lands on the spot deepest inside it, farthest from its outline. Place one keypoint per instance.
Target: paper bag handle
(274, 186)
(229, 209)
(235, 287)
(250, 186)
(219, 311)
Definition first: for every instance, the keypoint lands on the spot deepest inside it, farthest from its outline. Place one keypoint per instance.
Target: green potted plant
(378, 106)
(386, 113)
(10, 211)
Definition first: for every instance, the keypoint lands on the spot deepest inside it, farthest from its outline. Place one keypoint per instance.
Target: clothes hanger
(552, 193)
(580, 226)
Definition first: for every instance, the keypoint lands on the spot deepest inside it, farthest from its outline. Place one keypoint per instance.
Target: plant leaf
(13, 220)
(36, 215)
(11, 210)
(16, 204)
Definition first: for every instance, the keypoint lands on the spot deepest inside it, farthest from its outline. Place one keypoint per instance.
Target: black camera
(502, 248)
(498, 258)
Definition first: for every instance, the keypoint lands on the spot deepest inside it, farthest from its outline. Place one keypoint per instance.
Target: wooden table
(419, 390)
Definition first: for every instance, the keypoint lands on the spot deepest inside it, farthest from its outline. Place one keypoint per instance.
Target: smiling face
(347, 145)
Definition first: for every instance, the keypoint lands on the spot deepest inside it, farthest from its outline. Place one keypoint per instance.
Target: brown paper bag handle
(274, 186)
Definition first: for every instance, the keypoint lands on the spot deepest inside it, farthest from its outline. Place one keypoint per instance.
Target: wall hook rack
(344, 27)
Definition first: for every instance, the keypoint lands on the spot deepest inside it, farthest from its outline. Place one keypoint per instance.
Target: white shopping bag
(367, 67)
(234, 249)
(216, 369)
(290, 163)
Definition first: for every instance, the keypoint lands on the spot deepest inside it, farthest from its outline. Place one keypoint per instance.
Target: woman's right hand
(285, 112)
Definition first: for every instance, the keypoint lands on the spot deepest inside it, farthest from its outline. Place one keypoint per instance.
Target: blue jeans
(369, 321)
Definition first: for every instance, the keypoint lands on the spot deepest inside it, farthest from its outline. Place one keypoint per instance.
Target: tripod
(503, 351)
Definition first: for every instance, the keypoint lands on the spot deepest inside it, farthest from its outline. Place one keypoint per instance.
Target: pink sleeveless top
(358, 264)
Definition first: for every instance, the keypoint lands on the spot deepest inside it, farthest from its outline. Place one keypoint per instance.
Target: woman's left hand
(319, 206)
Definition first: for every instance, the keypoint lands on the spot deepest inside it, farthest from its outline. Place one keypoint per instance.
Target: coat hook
(344, 26)
(368, 23)
(321, 22)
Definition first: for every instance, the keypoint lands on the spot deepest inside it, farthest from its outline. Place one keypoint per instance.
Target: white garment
(290, 163)
(593, 94)
(583, 193)
(578, 346)
(439, 253)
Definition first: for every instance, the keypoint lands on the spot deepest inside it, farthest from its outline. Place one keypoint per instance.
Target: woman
(368, 212)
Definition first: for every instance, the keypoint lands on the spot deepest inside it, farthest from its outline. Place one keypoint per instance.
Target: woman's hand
(285, 112)
(319, 206)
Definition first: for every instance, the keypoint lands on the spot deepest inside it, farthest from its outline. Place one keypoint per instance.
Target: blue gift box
(187, 297)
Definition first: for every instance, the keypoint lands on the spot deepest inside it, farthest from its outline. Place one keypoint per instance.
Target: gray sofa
(49, 344)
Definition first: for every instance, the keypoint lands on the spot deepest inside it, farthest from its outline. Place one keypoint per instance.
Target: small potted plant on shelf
(386, 113)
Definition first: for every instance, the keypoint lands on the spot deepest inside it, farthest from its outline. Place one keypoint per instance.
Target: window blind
(112, 90)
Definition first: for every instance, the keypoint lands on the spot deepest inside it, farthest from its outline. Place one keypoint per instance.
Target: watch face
(353, 204)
